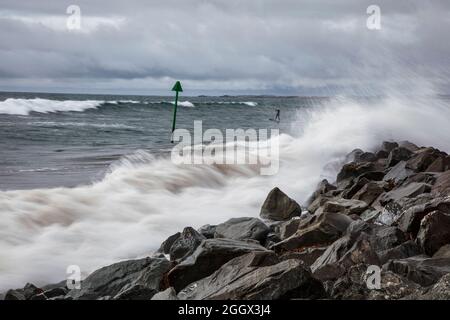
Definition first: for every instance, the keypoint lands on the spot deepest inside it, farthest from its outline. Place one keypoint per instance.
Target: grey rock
(422, 159)
(345, 206)
(185, 244)
(408, 145)
(288, 228)
(55, 292)
(405, 250)
(242, 228)
(434, 232)
(439, 291)
(168, 294)
(443, 252)
(388, 146)
(207, 231)
(256, 276)
(409, 191)
(442, 185)
(14, 295)
(398, 173)
(398, 154)
(207, 258)
(278, 206)
(369, 192)
(420, 269)
(123, 279)
(318, 231)
(167, 244)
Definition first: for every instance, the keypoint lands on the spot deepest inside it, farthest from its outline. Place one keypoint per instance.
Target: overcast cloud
(224, 46)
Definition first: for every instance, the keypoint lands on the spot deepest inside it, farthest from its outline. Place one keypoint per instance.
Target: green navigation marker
(177, 88)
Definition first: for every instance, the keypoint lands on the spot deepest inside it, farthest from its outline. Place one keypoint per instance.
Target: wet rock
(288, 228)
(420, 269)
(207, 231)
(422, 159)
(351, 191)
(278, 206)
(409, 191)
(345, 206)
(14, 295)
(408, 145)
(39, 296)
(409, 221)
(386, 237)
(352, 170)
(168, 294)
(124, 279)
(242, 228)
(319, 231)
(370, 215)
(167, 244)
(443, 252)
(207, 258)
(55, 292)
(308, 256)
(434, 232)
(441, 164)
(322, 188)
(369, 192)
(185, 244)
(398, 154)
(439, 291)
(402, 251)
(442, 185)
(256, 276)
(398, 173)
(342, 254)
(388, 146)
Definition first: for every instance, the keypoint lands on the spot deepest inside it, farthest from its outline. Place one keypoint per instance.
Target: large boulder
(288, 228)
(442, 185)
(398, 154)
(441, 164)
(420, 269)
(434, 232)
(410, 219)
(207, 258)
(423, 158)
(324, 187)
(439, 291)
(242, 228)
(345, 206)
(318, 231)
(132, 279)
(167, 244)
(369, 192)
(185, 244)
(409, 191)
(398, 173)
(404, 250)
(28, 292)
(350, 171)
(342, 254)
(278, 206)
(256, 276)
(207, 231)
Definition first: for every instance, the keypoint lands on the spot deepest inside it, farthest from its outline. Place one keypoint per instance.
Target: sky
(276, 47)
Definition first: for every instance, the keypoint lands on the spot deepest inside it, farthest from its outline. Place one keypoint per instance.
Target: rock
(318, 231)
(365, 157)
(386, 237)
(351, 191)
(167, 244)
(14, 295)
(434, 232)
(424, 177)
(55, 292)
(369, 193)
(442, 185)
(409, 221)
(322, 188)
(278, 206)
(256, 276)
(207, 231)
(345, 206)
(441, 164)
(402, 251)
(381, 154)
(352, 170)
(39, 296)
(409, 191)
(185, 244)
(308, 256)
(126, 279)
(168, 294)
(398, 173)
(370, 215)
(242, 228)
(317, 203)
(422, 159)
(353, 285)
(342, 254)
(439, 291)
(30, 290)
(207, 258)
(398, 154)
(408, 145)
(288, 228)
(388, 146)
(420, 269)
(443, 252)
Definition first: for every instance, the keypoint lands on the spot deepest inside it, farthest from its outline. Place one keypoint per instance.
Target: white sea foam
(25, 106)
(145, 199)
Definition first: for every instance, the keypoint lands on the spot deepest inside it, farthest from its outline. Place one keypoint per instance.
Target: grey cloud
(271, 46)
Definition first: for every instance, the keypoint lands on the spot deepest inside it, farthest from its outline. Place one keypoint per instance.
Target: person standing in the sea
(277, 116)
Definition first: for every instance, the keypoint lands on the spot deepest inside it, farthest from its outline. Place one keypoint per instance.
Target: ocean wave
(81, 124)
(25, 106)
(144, 199)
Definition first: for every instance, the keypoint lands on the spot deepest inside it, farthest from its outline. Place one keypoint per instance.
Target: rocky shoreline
(387, 215)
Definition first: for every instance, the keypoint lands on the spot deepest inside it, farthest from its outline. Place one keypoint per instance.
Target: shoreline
(387, 213)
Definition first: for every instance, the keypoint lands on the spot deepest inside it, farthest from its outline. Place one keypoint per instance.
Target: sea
(88, 180)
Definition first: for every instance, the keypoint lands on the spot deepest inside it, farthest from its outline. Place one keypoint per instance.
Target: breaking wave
(144, 199)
